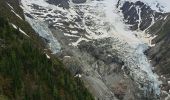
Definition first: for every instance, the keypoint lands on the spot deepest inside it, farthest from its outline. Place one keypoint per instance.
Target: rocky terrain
(119, 48)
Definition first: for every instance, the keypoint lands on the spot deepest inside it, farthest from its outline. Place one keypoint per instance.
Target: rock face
(61, 3)
(96, 43)
(79, 1)
(139, 15)
(159, 54)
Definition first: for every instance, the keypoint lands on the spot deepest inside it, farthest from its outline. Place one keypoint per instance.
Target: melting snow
(165, 17)
(74, 32)
(78, 75)
(23, 32)
(169, 82)
(47, 56)
(14, 26)
(70, 35)
(10, 6)
(67, 56)
(17, 14)
(78, 41)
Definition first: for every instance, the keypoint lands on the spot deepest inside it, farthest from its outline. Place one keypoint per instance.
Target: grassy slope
(25, 72)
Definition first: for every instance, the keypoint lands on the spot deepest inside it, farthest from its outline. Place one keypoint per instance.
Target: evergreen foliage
(27, 74)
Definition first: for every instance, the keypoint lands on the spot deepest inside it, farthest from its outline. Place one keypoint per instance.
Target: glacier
(99, 19)
(44, 32)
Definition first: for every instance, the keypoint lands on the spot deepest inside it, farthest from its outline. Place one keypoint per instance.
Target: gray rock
(79, 1)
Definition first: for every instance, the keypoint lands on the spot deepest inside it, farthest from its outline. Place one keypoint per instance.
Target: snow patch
(17, 14)
(74, 32)
(14, 26)
(165, 17)
(66, 56)
(146, 38)
(78, 41)
(168, 82)
(23, 32)
(47, 56)
(78, 75)
(70, 35)
(10, 6)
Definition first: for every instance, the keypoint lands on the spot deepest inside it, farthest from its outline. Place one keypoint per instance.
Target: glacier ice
(104, 20)
(42, 29)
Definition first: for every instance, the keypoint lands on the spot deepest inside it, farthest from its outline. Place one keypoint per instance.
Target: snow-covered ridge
(157, 5)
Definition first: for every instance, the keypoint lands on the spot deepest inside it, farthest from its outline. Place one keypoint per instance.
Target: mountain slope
(94, 37)
(159, 54)
(104, 42)
(26, 70)
(157, 25)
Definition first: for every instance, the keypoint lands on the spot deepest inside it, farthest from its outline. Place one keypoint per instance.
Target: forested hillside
(27, 74)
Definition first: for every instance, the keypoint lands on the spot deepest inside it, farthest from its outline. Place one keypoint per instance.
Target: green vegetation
(5, 11)
(27, 74)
